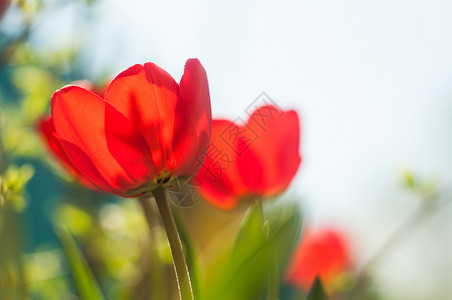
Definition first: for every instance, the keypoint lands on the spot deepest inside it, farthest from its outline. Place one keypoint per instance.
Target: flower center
(163, 178)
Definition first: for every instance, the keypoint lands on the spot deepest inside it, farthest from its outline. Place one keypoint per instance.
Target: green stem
(156, 268)
(408, 225)
(415, 219)
(180, 265)
(273, 280)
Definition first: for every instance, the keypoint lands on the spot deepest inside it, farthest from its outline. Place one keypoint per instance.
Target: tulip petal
(128, 146)
(219, 179)
(47, 129)
(272, 160)
(193, 118)
(289, 152)
(147, 96)
(48, 132)
(79, 119)
(323, 252)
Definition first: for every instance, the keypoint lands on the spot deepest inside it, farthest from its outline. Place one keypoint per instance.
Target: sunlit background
(371, 80)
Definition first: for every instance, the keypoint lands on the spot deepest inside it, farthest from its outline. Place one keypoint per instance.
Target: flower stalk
(156, 266)
(273, 279)
(177, 252)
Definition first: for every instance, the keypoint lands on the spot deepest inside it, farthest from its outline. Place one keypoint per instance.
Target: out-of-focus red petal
(219, 179)
(80, 118)
(193, 120)
(272, 159)
(289, 151)
(219, 193)
(324, 253)
(263, 156)
(147, 96)
(53, 143)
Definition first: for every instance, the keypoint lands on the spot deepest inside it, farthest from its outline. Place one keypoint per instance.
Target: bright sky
(370, 79)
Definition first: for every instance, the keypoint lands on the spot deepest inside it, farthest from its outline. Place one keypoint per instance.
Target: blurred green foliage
(262, 246)
(12, 186)
(83, 277)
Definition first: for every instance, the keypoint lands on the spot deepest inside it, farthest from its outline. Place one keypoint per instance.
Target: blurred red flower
(325, 253)
(258, 159)
(146, 130)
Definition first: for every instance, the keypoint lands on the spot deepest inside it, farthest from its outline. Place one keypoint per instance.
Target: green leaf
(317, 292)
(257, 247)
(251, 233)
(284, 232)
(84, 279)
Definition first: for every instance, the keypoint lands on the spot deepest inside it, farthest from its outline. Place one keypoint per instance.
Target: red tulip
(258, 159)
(146, 131)
(324, 253)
